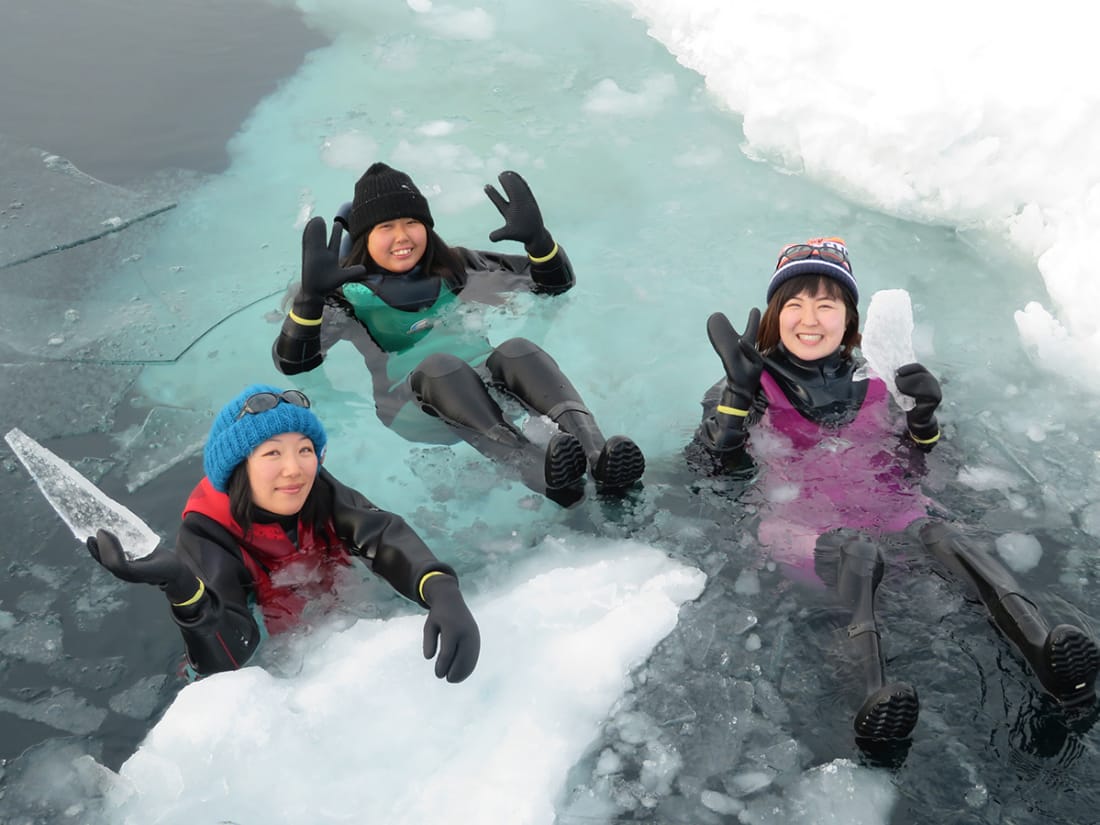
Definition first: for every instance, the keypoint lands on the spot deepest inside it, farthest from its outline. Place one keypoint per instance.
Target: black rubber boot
(447, 387)
(532, 376)
(889, 711)
(1064, 658)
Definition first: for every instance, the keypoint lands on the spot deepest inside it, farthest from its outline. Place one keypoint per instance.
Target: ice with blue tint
(674, 148)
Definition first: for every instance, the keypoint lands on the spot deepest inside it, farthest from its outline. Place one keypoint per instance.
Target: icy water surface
(121, 338)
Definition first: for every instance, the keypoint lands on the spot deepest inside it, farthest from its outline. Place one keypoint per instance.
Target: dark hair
(243, 509)
(767, 337)
(439, 258)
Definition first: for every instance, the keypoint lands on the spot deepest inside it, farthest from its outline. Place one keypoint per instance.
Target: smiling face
(398, 245)
(812, 324)
(281, 472)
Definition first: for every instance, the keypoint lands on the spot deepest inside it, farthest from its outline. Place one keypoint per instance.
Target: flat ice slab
(37, 183)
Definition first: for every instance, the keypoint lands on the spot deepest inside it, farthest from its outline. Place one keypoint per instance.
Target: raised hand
(451, 628)
(321, 271)
(522, 218)
(162, 567)
(740, 358)
(916, 381)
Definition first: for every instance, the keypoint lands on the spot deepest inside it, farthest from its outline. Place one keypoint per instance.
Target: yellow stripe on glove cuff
(425, 577)
(925, 441)
(544, 258)
(193, 599)
(305, 322)
(722, 408)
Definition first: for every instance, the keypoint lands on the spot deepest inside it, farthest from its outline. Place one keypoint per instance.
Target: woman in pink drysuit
(839, 471)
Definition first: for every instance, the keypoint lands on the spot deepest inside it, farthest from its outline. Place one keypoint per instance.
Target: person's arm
(396, 553)
(384, 540)
(547, 263)
(553, 274)
(302, 346)
(724, 428)
(299, 347)
(205, 584)
(917, 382)
(720, 432)
(217, 625)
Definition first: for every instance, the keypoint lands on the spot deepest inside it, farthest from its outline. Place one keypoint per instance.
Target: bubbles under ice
(35, 639)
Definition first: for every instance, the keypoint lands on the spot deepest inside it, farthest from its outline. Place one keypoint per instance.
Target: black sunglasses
(828, 249)
(264, 401)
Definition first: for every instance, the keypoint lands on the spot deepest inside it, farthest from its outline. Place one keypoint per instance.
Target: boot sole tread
(621, 463)
(1072, 660)
(890, 713)
(566, 462)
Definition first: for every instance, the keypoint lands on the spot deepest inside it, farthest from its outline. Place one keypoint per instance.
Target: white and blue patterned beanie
(233, 439)
(829, 257)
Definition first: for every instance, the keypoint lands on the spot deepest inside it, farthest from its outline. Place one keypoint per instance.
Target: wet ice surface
(35, 181)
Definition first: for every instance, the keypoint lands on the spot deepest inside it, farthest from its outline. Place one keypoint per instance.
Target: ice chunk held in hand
(888, 338)
(82, 506)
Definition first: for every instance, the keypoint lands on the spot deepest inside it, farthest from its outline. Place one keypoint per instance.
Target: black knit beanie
(383, 194)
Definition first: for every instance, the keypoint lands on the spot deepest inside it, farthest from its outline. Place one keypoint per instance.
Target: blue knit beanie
(232, 440)
(829, 257)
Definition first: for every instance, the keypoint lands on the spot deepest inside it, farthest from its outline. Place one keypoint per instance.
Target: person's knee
(436, 371)
(936, 533)
(438, 365)
(506, 357)
(516, 348)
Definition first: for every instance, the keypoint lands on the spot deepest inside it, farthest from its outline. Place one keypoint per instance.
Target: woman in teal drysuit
(401, 295)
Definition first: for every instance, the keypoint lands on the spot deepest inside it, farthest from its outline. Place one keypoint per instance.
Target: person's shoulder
(199, 532)
(487, 259)
(204, 499)
(336, 493)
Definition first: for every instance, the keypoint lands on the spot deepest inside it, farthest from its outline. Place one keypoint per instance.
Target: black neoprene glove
(522, 218)
(162, 567)
(321, 271)
(740, 359)
(916, 381)
(451, 628)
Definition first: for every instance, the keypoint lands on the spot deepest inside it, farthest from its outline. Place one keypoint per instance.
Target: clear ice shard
(888, 338)
(82, 506)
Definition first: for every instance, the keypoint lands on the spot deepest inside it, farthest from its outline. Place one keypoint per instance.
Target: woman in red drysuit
(268, 528)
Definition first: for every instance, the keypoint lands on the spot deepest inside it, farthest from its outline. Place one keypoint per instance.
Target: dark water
(127, 88)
